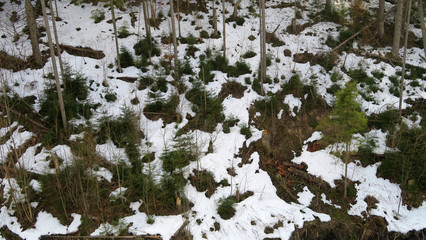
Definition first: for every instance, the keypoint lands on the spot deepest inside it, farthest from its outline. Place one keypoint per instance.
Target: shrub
(144, 46)
(245, 130)
(333, 89)
(191, 50)
(394, 89)
(249, 54)
(98, 15)
(123, 31)
(240, 68)
(204, 34)
(74, 97)
(144, 82)
(294, 85)
(228, 123)
(209, 109)
(110, 97)
(386, 120)
(336, 76)
(160, 85)
(226, 208)
(124, 131)
(126, 58)
(239, 21)
(360, 76)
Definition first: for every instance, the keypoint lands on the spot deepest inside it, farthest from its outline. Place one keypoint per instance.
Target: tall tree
(398, 27)
(55, 33)
(404, 58)
(328, 6)
(115, 37)
(224, 28)
(422, 23)
(55, 67)
(32, 26)
(172, 17)
(214, 19)
(345, 120)
(381, 20)
(262, 45)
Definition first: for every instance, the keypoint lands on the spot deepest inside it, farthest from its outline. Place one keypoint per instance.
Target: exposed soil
(83, 51)
(12, 63)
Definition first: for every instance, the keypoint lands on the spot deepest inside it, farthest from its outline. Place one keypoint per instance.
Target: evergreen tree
(345, 120)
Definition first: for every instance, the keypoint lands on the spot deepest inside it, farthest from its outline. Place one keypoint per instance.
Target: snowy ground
(264, 208)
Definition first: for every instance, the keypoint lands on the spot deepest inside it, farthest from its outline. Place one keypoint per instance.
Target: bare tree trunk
(224, 28)
(32, 26)
(214, 19)
(294, 20)
(58, 48)
(178, 17)
(56, 8)
(328, 6)
(55, 68)
(381, 19)
(153, 17)
(401, 85)
(116, 38)
(147, 27)
(345, 183)
(422, 23)
(262, 46)
(398, 27)
(234, 15)
(172, 17)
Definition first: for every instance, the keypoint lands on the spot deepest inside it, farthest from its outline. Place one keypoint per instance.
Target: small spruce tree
(345, 120)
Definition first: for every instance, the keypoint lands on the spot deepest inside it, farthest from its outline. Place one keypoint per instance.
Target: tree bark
(115, 37)
(224, 28)
(381, 20)
(153, 17)
(32, 26)
(178, 17)
(422, 23)
(58, 48)
(328, 6)
(262, 46)
(345, 183)
(172, 17)
(398, 28)
(214, 19)
(401, 85)
(55, 68)
(234, 15)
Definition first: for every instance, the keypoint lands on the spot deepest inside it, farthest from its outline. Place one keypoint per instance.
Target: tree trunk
(422, 23)
(234, 15)
(178, 17)
(328, 6)
(153, 17)
(172, 17)
(294, 20)
(262, 46)
(56, 8)
(398, 28)
(224, 28)
(55, 68)
(147, 27)
(116, 38)
(214, 19)
(58, 48)
(381, 20)
(32, 26)
(401, 85)
(345, 182)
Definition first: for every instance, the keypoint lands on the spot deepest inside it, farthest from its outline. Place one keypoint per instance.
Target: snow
(293, 103)
(264, 207)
